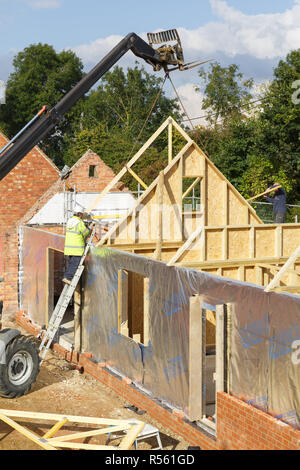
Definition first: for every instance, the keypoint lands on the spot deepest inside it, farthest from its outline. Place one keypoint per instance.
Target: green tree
(280, 122)
(124, 100)
(41, 76)
(119, 116)
(225, 91)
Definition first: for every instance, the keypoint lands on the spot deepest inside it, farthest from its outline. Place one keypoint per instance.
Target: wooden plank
(137, 178)
(278, 241)
(196, 371)
(170, 149)
(120, 272)
(225, 202)
(277, 268)
(55, 428)
(146, 311)
(144, 195)
(220, 350)
(252, 243)
(185, 246)
(191, 187)
(83, 446)
(181, 131)
(85, 434)
(160, 191)
(59, 417)
(131, 436)
(77, 317)
(22, 430)
(225, 243)
(287, 289)
(283, 270)
(264, 193)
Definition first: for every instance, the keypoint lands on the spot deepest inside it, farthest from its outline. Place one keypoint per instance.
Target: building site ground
(62, 389)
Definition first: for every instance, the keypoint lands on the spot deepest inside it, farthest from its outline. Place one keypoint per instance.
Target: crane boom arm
(47, 121)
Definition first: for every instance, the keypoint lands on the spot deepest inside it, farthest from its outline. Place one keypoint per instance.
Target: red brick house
(24, 192)
(19, 190)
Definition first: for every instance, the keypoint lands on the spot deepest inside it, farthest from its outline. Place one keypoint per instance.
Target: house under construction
(196, 305)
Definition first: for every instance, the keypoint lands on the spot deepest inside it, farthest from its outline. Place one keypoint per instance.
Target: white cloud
(94, 51)
(261, 36)
(192, 102)
(255, 39)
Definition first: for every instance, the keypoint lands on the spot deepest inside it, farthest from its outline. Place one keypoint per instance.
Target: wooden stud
(187, 192)
(160, 190)
(220, 350)
(283, 270)
(146, 310)
(22, 430)
(120, 272)
(132, 428)
(196, 351)
(55, 428)
(137, 178)
(170, 150)
(186, 245)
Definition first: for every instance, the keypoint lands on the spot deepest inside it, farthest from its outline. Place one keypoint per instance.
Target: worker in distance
(278, 201)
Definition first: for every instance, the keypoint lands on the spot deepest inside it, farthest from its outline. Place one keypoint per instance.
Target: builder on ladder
(76, 234)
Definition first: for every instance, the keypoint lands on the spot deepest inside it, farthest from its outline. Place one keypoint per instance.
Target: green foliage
(40, 77)
(115, 120)
(118, 118)
(252, 149)
(225, 91)
(280, 119)
(260, 174)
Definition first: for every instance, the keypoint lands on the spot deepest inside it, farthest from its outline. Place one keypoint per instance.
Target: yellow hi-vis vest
(76, 232)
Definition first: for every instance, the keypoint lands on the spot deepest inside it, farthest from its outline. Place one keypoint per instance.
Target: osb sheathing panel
(214, 206)
(214, 249)
(193, 163)
(238, 243)
(290, 239)
(265, 242)
(231, 229)
(221, 203)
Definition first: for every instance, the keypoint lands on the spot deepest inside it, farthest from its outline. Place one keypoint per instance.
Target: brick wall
(80, 174)
(24, 191)
(239, 426)
(243, 427)
(19, 191)
(26, 183)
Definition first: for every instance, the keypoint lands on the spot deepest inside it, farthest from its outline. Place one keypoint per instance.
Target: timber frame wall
(224, 237)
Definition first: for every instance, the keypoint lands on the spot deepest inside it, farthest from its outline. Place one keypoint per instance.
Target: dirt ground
(64, 390)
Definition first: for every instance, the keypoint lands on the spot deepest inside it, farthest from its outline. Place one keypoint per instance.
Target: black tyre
(21, 368)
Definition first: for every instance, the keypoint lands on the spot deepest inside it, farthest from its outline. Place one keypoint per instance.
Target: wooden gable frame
(225, 236)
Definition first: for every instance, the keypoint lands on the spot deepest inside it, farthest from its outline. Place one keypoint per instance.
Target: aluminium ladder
(63, 302)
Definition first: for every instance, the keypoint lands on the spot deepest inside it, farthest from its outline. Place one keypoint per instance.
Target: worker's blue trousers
(72, 266)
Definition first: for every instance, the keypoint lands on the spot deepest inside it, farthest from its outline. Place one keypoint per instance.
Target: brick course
(240, 426)
(19, 191)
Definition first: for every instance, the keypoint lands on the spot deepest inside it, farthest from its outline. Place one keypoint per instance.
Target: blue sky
(254, 34)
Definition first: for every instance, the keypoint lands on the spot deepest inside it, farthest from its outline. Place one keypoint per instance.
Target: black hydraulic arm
(47, 121)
